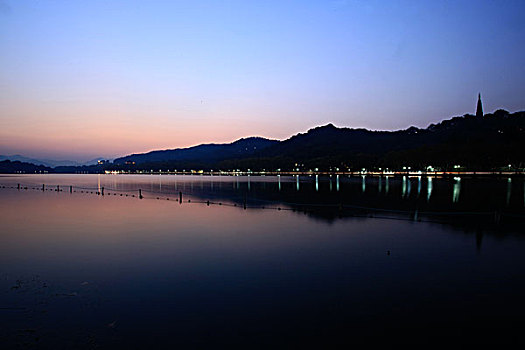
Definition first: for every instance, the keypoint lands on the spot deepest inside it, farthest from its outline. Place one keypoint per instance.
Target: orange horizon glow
(113, 140)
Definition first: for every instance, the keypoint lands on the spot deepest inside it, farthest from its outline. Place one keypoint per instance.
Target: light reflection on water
(490, 196)
(509, 190)
(456, 190)
(429, 188)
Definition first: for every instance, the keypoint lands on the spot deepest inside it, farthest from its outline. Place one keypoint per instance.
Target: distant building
(479, 109)
(102, 161)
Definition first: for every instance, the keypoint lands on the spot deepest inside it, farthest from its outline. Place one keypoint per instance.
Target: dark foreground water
(81, 270)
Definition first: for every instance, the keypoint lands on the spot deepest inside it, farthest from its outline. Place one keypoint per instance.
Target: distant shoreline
(296, 173)
(308, 173)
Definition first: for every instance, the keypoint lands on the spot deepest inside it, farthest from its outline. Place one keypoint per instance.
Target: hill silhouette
(474, 142)
(204, 153)
(490, 142)
(9, 167)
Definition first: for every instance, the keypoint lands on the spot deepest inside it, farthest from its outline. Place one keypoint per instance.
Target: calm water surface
(81, 270)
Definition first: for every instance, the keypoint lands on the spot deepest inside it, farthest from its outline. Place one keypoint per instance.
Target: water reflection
(509, 190)
(483, 194)
(429, 188)
(456, 189)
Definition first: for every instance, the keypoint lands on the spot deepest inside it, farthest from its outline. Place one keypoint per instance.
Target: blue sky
(103, 78)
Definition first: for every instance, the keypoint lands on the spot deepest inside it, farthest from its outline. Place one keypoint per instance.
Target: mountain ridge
(207, 151)
(479, 142)
(492, 141)
(47, 162)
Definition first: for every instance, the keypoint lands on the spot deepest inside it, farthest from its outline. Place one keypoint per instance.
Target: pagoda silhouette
(479, 108)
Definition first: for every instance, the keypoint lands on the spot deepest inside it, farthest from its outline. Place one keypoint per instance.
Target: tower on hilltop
(479, 108)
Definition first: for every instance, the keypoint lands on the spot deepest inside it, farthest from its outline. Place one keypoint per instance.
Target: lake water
(269, 261)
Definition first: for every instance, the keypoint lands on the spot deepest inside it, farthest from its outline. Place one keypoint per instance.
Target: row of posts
(99, 193)
(140, 193)
(497, 215)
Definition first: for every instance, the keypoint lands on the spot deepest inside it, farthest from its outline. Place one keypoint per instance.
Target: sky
(84, 79)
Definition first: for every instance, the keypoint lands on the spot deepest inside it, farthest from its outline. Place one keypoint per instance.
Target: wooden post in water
(18, 186)
(140, 194)
(58, 188)
(180, 197)
(102, 190)
(70, 189)
(43, 187)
